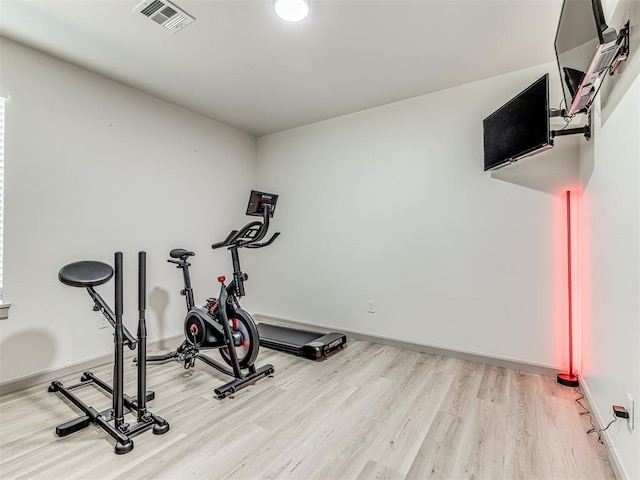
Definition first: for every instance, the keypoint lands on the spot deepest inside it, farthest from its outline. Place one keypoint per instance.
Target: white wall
(610, 176)
(611, 323)
(92, 167)
(392, 205)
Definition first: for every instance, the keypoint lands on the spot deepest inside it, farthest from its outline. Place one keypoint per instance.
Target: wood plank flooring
(369, 412)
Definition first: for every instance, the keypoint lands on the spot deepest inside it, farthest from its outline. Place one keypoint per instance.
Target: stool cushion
(180, 252)
(87, 273)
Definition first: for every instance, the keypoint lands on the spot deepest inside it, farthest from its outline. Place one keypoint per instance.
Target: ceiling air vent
(165, 14)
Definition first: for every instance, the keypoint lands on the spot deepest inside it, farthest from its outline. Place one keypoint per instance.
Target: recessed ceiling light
(291, 10)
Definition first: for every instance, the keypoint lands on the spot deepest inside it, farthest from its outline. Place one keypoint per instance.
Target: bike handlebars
(264, 244)
(238, 241)
(250, 235)
(226, 241)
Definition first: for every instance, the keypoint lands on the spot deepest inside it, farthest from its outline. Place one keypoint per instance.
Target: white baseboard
(599, 423)
(30, 380)
(548, 370)
(49, 375)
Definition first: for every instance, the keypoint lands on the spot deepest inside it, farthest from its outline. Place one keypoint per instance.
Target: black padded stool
(87, 273)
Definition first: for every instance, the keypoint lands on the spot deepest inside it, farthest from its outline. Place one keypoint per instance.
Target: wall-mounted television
(519, 128)
(585, 50)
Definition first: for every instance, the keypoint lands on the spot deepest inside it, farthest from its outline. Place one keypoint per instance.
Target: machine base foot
(568, 380)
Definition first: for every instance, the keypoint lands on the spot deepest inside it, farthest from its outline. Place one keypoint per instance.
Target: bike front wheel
(244, 328)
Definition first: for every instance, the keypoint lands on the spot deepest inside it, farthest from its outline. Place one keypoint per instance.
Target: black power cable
(586, 411)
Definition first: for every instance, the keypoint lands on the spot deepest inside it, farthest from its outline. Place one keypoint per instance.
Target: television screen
(585, 49)
(519, 128)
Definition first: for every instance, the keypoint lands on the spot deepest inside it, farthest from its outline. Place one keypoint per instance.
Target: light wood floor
(369, 412)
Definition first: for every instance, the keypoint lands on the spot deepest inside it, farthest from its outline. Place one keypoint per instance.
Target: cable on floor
(586, 412)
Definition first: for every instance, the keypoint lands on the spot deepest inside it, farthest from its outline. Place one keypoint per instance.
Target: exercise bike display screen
(258, 199)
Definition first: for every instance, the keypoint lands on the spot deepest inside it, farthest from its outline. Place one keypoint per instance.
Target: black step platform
(304, 343)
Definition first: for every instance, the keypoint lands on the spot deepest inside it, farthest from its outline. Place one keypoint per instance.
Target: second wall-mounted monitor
(519, 128)
(585, 50)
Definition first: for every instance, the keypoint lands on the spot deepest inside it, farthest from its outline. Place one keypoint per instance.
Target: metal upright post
(142, 336)
(118, 336)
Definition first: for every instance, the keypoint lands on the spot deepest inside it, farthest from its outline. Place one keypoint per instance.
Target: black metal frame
(584, 130)
(121, 403)
(623, 52)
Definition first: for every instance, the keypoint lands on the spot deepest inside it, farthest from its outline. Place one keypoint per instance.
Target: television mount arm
(623, 52)
(585, 130)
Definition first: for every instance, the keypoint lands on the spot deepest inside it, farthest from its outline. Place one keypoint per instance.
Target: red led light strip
(570, 379)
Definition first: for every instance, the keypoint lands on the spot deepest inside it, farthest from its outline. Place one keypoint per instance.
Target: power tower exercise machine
(90, 274)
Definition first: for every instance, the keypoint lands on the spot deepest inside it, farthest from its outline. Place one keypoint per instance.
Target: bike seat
(180, 252)
(87, 273)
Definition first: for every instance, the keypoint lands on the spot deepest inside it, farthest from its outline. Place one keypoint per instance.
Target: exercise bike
(222, 323)
(89, 274)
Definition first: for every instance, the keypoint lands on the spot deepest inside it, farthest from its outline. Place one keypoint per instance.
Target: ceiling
(240, 65)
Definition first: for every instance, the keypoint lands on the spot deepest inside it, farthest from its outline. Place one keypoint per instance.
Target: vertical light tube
(577, 278)
(569, 379)
(569, 283)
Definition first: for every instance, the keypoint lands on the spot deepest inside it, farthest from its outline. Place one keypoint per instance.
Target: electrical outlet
(103, 322)
(372, 307)
(630, 409)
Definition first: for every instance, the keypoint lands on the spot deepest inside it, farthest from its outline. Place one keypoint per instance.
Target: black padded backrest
(87, 273)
